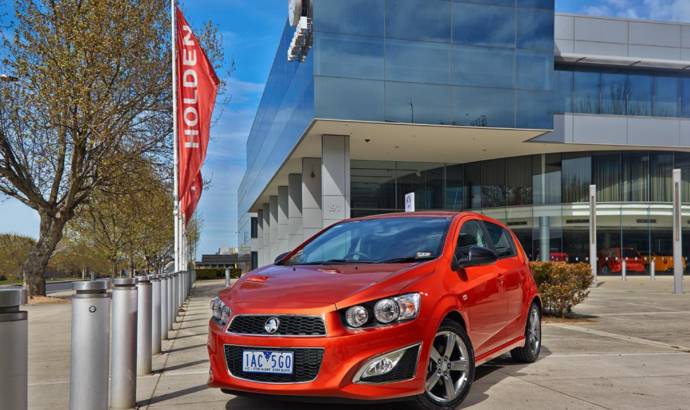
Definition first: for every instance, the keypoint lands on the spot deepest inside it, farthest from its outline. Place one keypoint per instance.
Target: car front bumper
(343, 356)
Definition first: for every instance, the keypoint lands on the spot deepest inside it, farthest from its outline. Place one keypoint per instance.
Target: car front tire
(450, 369)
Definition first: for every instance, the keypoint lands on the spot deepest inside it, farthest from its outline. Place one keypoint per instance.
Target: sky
(251, 30)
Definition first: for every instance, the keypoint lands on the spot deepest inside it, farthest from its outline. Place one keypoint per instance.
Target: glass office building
(502, 107)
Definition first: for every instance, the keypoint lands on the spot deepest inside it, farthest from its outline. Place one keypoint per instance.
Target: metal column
(164, 306)
(593, 231)
(227, 277)
(155, 314)
(123, 359)
(90, 346)
(14, 352)
(143, 326)
(677, 235)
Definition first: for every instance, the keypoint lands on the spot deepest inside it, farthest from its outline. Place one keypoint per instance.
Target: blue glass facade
(634, 92)
(285, 111)
(459, 62)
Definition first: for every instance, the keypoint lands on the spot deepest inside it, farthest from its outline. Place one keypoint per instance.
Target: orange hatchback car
(382, 308)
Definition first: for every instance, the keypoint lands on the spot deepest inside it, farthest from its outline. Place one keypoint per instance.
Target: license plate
(267, 361)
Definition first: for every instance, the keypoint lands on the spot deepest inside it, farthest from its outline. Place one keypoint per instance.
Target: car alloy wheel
(448, 372)
(529, 353)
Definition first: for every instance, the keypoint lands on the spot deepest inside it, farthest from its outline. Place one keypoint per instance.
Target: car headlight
(384, 311)
(357, 316)
(221, 312)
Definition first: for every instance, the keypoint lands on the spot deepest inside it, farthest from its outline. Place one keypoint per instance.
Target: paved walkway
(629, 350)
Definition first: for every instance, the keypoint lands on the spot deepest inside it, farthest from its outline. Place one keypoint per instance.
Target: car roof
(427, 214)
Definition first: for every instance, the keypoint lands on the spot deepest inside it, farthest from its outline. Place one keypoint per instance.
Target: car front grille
(289, 325)
(306, 365)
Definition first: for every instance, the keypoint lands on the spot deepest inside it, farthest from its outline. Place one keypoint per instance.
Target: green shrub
(208, 274)
(562, 285)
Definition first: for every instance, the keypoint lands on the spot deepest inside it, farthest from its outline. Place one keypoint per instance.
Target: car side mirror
(477, 256)
(280, 257)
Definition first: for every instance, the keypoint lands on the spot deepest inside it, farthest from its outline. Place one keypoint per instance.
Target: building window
(493, 179)
(519, 181)
(577, 176)
(636, 176)
(255, 227)
(606, 174)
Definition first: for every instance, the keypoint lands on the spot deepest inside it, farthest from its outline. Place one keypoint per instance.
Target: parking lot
(629, 348)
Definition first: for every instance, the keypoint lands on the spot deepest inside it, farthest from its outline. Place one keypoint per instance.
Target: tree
(93, 96)
(13, 252)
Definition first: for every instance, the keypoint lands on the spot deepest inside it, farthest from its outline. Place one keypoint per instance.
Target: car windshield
(385, 240)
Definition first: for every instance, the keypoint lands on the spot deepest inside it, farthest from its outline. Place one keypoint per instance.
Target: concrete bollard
(227, 277)
(90, 346)
(143, 326)
(155, 314)
(164, 306)
(123, 359)
(652, 269)
(14, 353)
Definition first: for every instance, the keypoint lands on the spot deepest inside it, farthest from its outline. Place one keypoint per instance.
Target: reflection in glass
(417, 103)
(454, 187)
(577, 176)
(483, 107)
(473, 186)
(586, 92)
(534, 109)
(640, 88)
(613, 93)
(535, 71)
(417, 62)
(488, 67)
(493, 181)
(665, 96)
(552, 178)
(635, 176)
(423, 20)
(483, 25)
(685, 97)
(347, 56)
(344, 98)
(661, 175)
(606, 170)
(519, 181)
(372, 185)
(535, 29)
(681, 161)
(563, 91)
(362, 17)
(425, 180)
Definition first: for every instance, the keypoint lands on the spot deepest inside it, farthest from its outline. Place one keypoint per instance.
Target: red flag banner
(197, 87)
(191, 198)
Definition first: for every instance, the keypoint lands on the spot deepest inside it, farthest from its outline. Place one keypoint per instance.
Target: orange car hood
(293, 289)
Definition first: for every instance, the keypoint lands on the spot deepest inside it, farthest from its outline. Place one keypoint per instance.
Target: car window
(501, 239)
(471, 234)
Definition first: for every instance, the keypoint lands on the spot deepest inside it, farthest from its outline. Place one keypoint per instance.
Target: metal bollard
(175, 277)
(155, 314)
(171, 301)
(123, 359)
(90, 346)
(624, 270)
(143, 326)
(164, 306)
(14, 353)
(227, 277)
(652, 269)
(180, 290)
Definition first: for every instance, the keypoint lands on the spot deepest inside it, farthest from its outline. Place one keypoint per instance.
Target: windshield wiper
(335, 262)
(406, 259)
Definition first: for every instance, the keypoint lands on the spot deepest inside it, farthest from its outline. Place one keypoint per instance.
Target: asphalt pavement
(629, 349)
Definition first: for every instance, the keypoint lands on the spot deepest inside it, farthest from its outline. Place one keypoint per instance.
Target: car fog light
(382, 365)
(357, 316)
(386, 311)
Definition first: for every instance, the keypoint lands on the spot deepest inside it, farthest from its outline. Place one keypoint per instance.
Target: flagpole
(176, 202)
